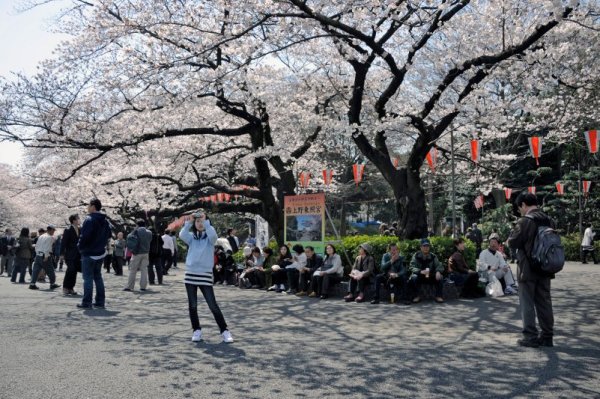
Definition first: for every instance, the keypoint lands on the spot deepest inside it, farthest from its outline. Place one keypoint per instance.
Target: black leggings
(209, 297)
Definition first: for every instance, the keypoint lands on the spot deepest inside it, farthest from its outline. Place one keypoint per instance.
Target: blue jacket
(94, 235)
(201, 252)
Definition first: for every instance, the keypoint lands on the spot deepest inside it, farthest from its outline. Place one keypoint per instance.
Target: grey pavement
(288, 347)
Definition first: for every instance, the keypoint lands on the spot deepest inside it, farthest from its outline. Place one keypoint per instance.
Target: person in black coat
(69, 253)
(155, 258)
(313, 262)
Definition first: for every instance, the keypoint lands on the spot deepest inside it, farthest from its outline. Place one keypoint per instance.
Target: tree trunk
(410, 205)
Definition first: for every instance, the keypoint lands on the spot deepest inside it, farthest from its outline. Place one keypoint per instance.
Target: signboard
(305, 220)
(262, 232)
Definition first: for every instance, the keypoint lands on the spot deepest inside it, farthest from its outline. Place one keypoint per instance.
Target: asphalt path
(289, 347)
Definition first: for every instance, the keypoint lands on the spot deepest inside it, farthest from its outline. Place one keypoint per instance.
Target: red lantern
(535, 145)
(475, 150)
(226, 197)
(507, 193)
(531, 189)
(592, 139)
(479, 202)
(327, 176)
(396, 163)
(304, 178)
(432, 158)
(560, 187)
(213, 198)
(586, 186)
(358, 170)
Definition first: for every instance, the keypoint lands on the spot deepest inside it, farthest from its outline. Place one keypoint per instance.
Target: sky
(26, 40)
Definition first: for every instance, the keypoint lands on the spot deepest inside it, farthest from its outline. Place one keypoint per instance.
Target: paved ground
(288, 347)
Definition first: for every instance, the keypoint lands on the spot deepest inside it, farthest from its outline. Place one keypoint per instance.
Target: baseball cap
(425, 241)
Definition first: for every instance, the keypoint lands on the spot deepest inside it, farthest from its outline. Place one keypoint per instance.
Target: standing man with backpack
(534, 282)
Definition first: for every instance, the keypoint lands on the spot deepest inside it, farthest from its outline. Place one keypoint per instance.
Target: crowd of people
(90, 246)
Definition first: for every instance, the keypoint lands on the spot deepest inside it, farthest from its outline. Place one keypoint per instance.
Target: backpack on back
(133, 241)
(547, 252)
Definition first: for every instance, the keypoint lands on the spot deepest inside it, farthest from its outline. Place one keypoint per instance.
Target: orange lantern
(358, 171)
(475, 150)
(327, 176)
(535, 145)
(592, 139)
(304, 179)
(432, 158)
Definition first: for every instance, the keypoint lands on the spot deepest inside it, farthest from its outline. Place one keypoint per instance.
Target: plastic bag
(494, 288)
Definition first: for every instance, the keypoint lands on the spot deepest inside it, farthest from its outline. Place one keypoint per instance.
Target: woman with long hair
(279, 273)
(200, 238)
(22, 256)
(330, 273)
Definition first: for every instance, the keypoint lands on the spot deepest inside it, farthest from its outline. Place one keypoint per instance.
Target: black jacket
(314, 262)
(521, 240)
(68, 247)
(4, 243)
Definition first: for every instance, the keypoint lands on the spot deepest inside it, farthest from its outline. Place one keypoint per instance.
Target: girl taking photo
(200, 238)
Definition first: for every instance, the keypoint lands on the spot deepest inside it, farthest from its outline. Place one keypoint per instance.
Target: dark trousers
(469, 282)
(416, 281)
(41, 264)
(20, 267)
(155, 263)
(305, 279)
(397, 285)
(174, 260)
(107, 262)
(359, 285)
(91, 271)
(279, 276)
(167, 260)
(209, 297)
(118, 262)
(293, 278)
(534, 298)
(320, 284)
(73, 266)
(585, 253)
(256, 277)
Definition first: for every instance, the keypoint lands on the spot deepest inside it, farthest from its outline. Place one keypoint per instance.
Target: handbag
(494, 288)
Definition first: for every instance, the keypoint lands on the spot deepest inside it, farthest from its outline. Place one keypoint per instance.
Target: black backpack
(547, 252)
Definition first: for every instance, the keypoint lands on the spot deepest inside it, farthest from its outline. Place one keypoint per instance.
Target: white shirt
(588, 237)
(486, 258)
(168, 243)
(299, 262)
(44, 244)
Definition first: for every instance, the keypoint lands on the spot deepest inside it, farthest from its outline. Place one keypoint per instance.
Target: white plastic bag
(494, 288)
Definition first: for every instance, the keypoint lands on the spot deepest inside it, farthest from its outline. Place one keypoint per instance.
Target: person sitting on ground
(313, 262)
(219, 268)
(361, 273)
(587, 245)
(254, 275)
(460, 273)
(491, 262)
(268, 263)
(293, 270)
(325, 276)
(393, 274)
(426, 269)
(279, 273)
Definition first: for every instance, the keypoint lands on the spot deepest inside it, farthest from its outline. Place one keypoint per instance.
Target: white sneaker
(197, 337)
(282, 287)
(273, 287)
(227, 338)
